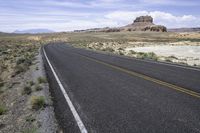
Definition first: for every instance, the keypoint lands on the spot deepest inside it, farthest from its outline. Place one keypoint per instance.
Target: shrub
(30, 130)
(31, 83)
(30, 119)
(121, 53)
(36, 68)
(150, 55)
(2, 109)
(27, 90)
(108, 49)
(132, 52)
(168, 60)
(1, 83)
(20, 60)
(19, 69)
(38, 87)
(41, 80)
(37, 102)
(22, 64)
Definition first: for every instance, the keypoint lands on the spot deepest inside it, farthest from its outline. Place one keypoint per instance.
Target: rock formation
(144, 23)
(143, 19)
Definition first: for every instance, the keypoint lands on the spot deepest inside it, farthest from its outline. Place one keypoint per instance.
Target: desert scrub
(31, 83)
(168, 59)
(36, 68)
(19, 69)
(38, 87)
(132, 52)
(30, 130)
(37, 102)
(1, 83)
(150, 55)
(173, 57)
(121, 53)
(2, 109)
(27, 90)
(41, 80)
(30, 118)
(108, 49)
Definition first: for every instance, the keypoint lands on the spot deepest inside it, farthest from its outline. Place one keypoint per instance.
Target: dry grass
(41, 80)
(2, 109)
(37, 102)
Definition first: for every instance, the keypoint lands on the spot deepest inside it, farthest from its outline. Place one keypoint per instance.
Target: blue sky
(64, 15)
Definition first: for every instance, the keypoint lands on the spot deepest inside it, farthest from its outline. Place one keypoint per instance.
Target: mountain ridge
(33, 31)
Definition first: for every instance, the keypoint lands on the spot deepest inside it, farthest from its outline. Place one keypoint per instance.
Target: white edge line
(72, 108)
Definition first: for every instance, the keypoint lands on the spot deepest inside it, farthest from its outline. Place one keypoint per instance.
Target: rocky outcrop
(143, 19)
(144, 23)
(157, 28)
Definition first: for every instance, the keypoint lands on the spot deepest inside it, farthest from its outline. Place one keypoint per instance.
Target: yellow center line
(177, 88)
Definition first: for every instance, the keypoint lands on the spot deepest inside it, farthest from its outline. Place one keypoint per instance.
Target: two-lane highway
(113, 94)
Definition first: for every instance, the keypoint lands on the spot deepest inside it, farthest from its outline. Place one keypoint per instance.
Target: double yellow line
(177, 88)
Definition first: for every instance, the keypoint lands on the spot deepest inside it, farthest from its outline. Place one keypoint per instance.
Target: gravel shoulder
(20, 117)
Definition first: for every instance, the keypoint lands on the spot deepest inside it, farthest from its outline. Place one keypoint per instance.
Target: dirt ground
(20, 117)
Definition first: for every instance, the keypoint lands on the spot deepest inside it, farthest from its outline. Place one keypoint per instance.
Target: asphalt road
(115, 94)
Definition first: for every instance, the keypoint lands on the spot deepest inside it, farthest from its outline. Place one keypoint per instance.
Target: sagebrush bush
(132, 52)
(2, 109)
(31, 83)
(41, 80)
(20, 68)
(27, 90)
(1, 83)
(108, 49)
(20, 60)
(38, 87)
(37, 102)
(30, 118)
(150, 55)
(30, 130)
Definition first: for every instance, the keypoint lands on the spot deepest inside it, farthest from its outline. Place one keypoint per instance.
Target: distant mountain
(197, 29)
(33, 31)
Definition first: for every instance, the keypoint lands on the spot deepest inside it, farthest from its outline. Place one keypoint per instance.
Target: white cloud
(170, 2)
(67, 20)
(125, 16)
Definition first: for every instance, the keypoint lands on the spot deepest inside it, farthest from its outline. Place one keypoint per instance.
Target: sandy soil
(189, 54)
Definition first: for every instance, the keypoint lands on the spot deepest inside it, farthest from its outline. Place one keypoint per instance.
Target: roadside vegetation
(19, 91)
(2, 109)
(118, 42)
(37, 102)
(42, 80)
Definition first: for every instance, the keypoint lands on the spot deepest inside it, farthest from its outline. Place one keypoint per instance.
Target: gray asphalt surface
(112, 101)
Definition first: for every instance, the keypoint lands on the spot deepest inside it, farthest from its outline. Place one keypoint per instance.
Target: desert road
(104, 93)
